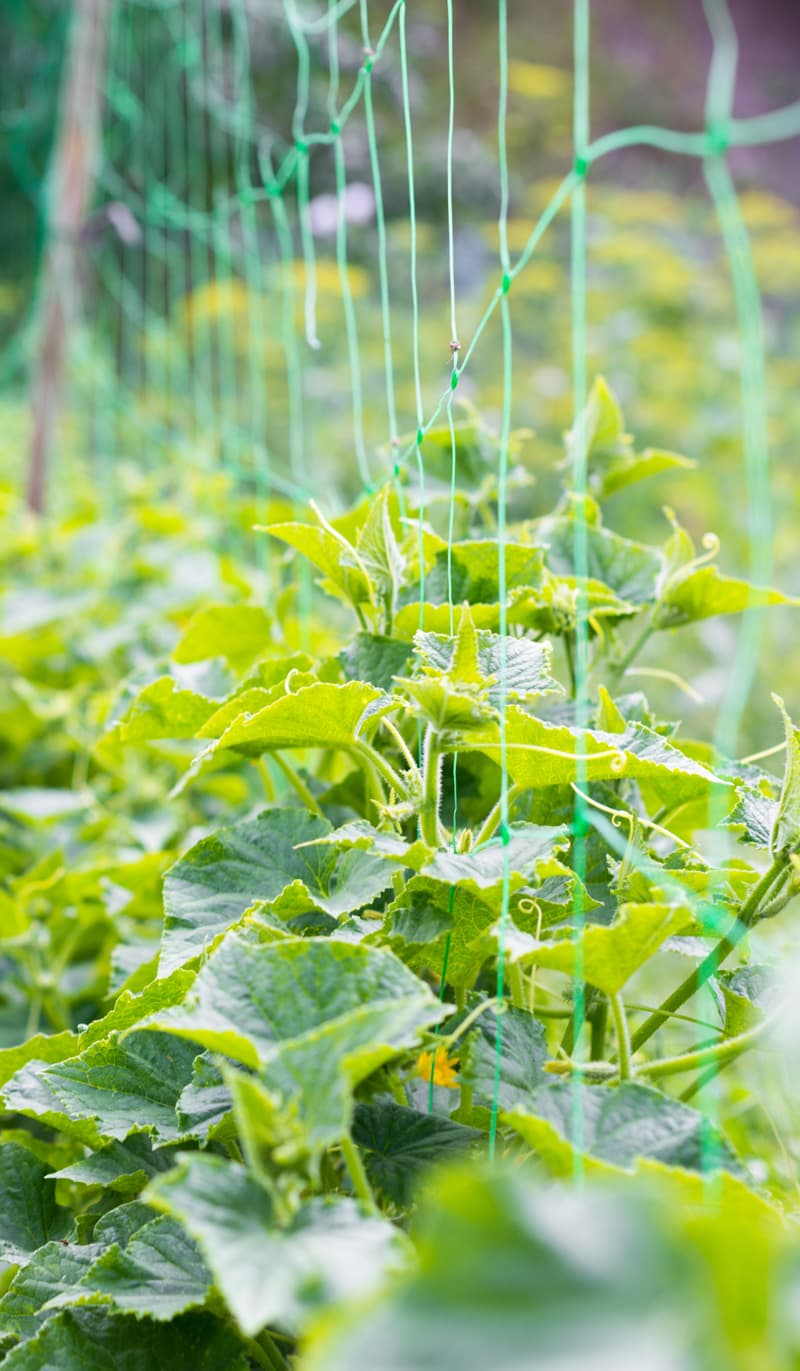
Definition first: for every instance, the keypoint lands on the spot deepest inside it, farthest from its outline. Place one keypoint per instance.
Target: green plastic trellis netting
(256, 266)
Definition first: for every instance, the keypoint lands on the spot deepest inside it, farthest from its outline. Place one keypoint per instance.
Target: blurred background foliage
(192, 310)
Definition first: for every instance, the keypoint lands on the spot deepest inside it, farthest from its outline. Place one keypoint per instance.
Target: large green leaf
(515, 1275)
(120, 1224)
(205, 1105)
(705, 593)
(53, 1270)
(315, 1015)
(604, 955)
(123, 1167)
(239, 633)
(612, 462)
(163, 709)
(42, 1047)
(540, 754)
(753, 816)
(267, 1274)
(379, 551)
(522, 1053)
(622, 471)
(458, 896)
(93, 1340)
(29, 1215)
(261, 860)
(375, 658)
(528, 846)
(628, 568)
(399, 1144)
(471, 572)
(344, 574)
(746, 994)
(598, 1128)
(110, 1090)
(517, 667)
(158, 1275)
(456, 708)
(319, 715)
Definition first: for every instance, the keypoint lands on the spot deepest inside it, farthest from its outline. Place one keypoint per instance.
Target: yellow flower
(218, 299)
(444, 1072)
(537, 82)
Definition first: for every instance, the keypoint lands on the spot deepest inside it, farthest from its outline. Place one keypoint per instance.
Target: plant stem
(492, 819)
(705, 1078)
(721, 1052)
(397, 1088)
(431, 776)
(402, 746)
(623, 1036)
(274, 1357)
(517, 985)
(570, 662)
(715, 958)
(365, 753)
(567, 1066)
(464, 1090)
(599, 1020)
(617, 672)
(358, 1175)
(298, 784)
(263, 1350)
(257, 1354)
(269, 788)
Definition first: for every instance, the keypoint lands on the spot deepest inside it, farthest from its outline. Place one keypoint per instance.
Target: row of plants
(343, 933)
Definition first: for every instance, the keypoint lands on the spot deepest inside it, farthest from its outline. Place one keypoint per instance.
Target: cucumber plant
(463, 859)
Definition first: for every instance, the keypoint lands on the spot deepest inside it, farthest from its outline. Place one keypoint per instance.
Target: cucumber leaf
(265, 1273)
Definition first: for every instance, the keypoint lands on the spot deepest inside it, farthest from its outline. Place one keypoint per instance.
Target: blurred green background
(190, 328)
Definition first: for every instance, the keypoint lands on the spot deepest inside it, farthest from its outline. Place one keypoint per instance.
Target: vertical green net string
(580, 545)
(254, 274)
(502, 477)
(419, 410)
(454, 350)
(199, 355)
(351, 328)
(233, 432)
(380, 223)
(301, 170)
(719, 114)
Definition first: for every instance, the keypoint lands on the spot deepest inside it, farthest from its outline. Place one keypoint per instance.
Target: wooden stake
(71, 179)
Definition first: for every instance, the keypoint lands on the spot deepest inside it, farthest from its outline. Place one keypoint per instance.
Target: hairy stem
(623, 1036)
(720, 1052)
(402, 745)
(707, 968)
(431, 783)
(599, 1021)
(365, 753)
(358, 1175)
(298, 784)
